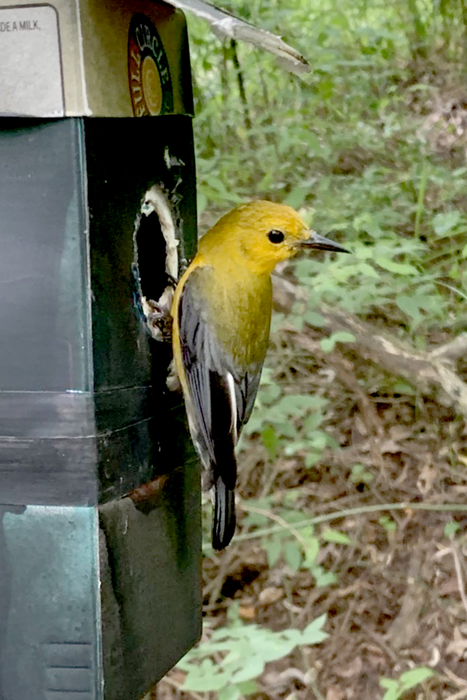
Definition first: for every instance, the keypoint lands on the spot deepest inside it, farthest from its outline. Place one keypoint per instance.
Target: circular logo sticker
(148, 69)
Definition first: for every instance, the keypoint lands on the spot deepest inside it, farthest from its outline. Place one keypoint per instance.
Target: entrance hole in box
(156, 261)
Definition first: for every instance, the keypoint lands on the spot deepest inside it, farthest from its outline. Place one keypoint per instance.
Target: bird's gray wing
(222, 396)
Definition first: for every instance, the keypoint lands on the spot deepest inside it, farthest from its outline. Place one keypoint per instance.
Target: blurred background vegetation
(347, 576)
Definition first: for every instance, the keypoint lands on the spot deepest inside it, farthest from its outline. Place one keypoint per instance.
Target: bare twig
(460, 682)
(215, 586)
(276, 518)
(453, 350)
(458, 696)
(361, 510)
(241, 84)
(459, 575)
(428, 374)
(460, 578)
(404, 628)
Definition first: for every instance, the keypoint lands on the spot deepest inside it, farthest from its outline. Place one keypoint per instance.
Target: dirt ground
(400, 599)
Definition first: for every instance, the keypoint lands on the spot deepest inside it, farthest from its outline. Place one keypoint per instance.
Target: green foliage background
(362, 147)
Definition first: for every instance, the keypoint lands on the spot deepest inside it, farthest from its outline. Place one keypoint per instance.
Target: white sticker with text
(31, 82)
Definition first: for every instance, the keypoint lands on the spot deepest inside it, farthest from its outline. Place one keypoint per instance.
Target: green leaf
(359, 474)
(409, 305)
(202, 202)
(398, 268)
(295, 404)
(205, 677)
(336, 536)
(409, 679)
(314, 319)
(231, 692)
(273, 548)
(312, 422)
(444, 223)
(312, 458)
(388, 523)
(392, 689)
(293, 555)
(328, 344)
(314, 633)
(270, 393)
(297, 196)
(367, 270)
(395, 689)
(402, 387)
(247, 687)
(311, 552)
(291, 496)
(323, 578)
(313, 142)
(271, 442)
(367, 222)
(252, 667)
(451, 528)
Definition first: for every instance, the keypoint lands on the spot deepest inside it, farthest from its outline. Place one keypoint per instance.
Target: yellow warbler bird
(221, 319)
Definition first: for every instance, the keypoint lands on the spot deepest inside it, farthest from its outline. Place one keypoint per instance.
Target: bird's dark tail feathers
(223, 527)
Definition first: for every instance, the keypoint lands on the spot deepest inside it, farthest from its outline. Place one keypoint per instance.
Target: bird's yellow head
(261, 234)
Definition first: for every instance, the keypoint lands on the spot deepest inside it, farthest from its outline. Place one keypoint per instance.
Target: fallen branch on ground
(432, 372)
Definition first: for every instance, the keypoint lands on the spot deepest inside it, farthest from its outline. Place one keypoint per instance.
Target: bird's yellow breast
(237, 306)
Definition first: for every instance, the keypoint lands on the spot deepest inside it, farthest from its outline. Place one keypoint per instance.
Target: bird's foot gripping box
(99, 492)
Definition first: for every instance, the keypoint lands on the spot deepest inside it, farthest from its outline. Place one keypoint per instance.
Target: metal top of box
(119, 58)
(110, 58)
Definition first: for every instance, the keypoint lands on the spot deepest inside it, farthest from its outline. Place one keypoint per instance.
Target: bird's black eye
(276, 236)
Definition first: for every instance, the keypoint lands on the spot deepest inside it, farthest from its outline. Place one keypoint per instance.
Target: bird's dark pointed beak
(321, 243)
